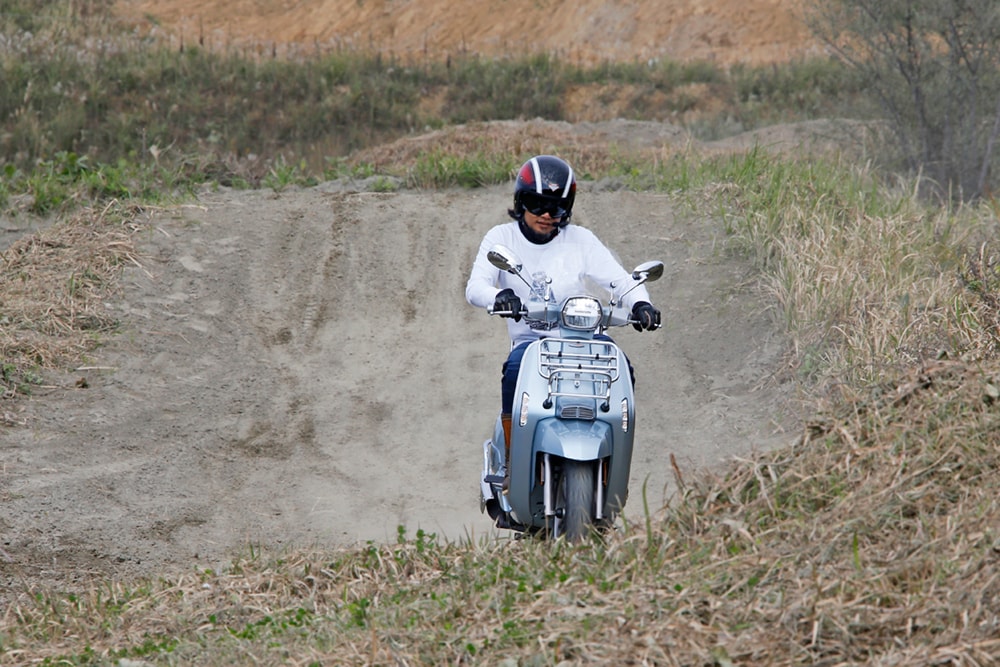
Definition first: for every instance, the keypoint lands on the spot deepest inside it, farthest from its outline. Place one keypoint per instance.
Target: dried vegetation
(54, 291)
(872, 541)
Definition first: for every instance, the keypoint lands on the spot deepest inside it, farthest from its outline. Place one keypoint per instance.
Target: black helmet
(545, 183)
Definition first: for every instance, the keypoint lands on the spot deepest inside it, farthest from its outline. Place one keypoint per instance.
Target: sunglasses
(539, 205)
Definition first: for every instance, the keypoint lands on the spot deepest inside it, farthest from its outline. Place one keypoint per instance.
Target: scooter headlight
(582, 313)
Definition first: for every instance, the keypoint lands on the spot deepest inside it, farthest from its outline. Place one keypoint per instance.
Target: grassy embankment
(873, 539)
(88, 111)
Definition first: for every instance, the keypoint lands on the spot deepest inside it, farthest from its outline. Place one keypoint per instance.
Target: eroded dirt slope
(586, 31)
(301, 368)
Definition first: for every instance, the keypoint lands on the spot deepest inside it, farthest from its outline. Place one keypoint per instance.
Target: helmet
(545, 183)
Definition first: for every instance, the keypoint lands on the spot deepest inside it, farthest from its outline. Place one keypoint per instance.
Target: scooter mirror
(648, 271)
(504, 259)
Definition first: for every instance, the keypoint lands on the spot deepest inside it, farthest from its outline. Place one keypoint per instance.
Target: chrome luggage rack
(589, 367)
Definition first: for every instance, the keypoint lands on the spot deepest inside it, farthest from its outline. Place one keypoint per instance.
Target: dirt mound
(586, 31)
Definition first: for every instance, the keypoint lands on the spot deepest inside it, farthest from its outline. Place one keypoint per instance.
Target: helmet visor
(537, 204)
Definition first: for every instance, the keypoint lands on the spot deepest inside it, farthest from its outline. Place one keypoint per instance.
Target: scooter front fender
(574, 439)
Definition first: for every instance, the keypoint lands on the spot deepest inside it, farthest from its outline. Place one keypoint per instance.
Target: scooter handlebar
(633, 322)
(506, 313)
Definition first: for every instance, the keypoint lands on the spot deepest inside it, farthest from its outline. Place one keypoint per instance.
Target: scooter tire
(576, 499)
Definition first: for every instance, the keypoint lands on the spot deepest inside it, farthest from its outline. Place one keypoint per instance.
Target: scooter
(573, 421)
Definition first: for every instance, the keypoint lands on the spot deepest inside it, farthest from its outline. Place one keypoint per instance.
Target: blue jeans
(511, 367)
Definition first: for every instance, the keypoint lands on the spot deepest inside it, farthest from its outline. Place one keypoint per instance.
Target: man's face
(543, 224)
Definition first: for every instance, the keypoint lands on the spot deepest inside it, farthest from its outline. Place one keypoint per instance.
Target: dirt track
(301, 368)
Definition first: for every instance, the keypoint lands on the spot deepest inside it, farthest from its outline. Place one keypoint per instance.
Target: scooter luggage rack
(579, 362)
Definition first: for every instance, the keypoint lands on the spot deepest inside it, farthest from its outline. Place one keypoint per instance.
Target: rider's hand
(645, 316)
(508, 301)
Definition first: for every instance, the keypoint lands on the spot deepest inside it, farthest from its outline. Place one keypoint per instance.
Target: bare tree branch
(933, 66)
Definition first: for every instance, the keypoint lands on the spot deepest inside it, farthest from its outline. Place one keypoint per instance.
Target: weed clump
(54, 289)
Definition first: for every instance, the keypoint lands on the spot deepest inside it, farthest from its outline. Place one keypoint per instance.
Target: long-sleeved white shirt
(572, 258)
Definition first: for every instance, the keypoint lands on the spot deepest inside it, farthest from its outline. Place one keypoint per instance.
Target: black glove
(507, 300)
(645, 316)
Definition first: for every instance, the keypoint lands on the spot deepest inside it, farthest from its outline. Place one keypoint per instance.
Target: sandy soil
(301, 369)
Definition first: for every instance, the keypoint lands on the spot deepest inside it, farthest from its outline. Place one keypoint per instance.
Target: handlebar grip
(633, 321)
(505, 313)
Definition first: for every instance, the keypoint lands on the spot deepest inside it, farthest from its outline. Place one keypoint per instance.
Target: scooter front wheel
(575, 501)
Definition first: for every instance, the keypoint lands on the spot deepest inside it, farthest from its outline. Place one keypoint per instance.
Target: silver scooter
(573, 420)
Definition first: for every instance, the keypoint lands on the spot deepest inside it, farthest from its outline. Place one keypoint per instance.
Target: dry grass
(876, 534)
(511, 142)
(868, 278)
(871, 541)
(54, 288)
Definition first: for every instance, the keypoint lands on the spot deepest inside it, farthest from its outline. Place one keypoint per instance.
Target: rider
(559, 254)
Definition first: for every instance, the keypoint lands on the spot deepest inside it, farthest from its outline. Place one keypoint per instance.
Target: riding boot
(505, 421)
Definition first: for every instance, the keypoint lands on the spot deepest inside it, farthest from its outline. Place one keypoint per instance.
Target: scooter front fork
(549, 490)
(599, 491)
